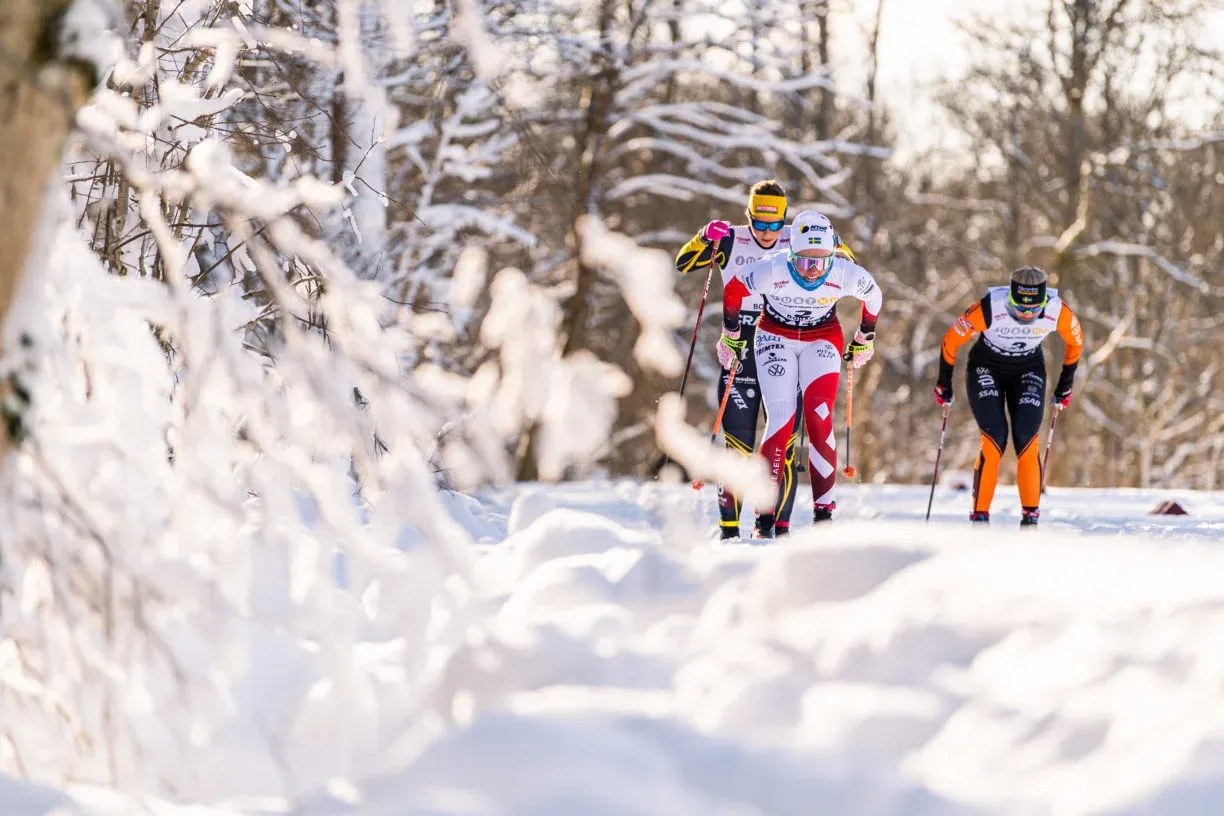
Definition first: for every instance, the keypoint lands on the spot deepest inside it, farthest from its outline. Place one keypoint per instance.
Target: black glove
(1062, 391)
(943, 384)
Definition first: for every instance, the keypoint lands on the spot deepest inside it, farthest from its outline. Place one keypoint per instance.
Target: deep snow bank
(864, 668)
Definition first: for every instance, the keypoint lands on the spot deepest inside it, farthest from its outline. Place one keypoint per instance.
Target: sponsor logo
(776, 370)
(751, 393)
(826, 351)
(766, 208)
(1021, 331)
(800, 300)
(963, 326)
(780, 284)
(741, 239)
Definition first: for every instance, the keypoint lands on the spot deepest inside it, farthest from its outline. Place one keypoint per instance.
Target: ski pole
(801, 447)
(848, 470)
(938, 455)
(705, 293)
(688, 364)
(722, 408)
(1049, 444)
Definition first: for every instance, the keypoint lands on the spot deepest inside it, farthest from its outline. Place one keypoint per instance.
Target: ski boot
(823, 512)
(1028, 517)
(781, 529)
(764, 526)
(728, 532)
(979, 517)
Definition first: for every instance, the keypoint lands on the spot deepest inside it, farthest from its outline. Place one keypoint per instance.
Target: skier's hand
(715, 231)
(943, 394)
(862, 349)
(729, 347)
(1062, 399)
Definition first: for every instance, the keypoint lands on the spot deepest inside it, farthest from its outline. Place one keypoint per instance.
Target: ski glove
(729, 347)
(715, 231)
(943, 394)
(862, 349)
(1062, 391)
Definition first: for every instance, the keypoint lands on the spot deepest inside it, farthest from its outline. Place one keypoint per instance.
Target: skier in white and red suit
(733, 247)
(798, 345)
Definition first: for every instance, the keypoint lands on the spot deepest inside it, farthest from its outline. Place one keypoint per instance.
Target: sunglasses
(1025, 309)
(803, 264)
(766, 226)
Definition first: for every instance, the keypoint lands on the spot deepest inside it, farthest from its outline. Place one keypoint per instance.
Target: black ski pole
(938, 455)
(705, 293)
(1045, 462)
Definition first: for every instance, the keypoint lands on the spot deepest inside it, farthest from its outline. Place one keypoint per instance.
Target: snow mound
(860, 667)
(19, 798)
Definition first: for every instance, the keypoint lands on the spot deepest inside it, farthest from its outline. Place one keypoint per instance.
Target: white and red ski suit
(798, 345)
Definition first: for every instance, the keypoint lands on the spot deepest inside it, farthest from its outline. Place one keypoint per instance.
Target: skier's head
(1027, 298)
(766, 211)
(812, 245)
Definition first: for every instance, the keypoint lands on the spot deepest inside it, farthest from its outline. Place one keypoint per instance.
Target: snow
(610, 657)
(874, 666)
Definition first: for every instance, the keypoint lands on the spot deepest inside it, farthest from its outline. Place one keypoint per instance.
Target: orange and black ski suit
(1006, 371)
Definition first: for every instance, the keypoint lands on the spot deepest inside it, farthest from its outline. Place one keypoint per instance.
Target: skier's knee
(994, 441)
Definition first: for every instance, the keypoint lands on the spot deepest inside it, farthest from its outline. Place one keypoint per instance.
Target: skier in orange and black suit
(1007, 372)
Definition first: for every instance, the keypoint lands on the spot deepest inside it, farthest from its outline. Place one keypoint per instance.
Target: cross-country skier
(798, 347)
(733, 247)
(1007, 370)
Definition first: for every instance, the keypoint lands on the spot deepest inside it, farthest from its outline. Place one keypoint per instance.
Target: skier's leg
(986, 401)
(739, 429)
(1026, 404)
(790, 478)
(819, 372)
(777, 374)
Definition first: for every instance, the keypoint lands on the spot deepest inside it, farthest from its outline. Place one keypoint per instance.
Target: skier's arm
(974, 319)
(751, 279)
(1073, 336)
(865, 289)
(698, 252)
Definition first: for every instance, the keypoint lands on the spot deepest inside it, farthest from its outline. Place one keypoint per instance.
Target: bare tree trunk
(597, 102)
(870, 163)
(824, 122)
(39, 97)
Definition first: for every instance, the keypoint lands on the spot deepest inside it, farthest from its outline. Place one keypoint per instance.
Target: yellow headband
(767, 206)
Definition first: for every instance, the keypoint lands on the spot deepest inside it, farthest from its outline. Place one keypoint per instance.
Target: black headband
(1025, 294)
